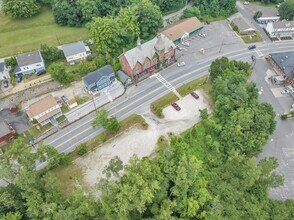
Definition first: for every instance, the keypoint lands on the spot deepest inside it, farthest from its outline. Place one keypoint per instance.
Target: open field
(22, 35)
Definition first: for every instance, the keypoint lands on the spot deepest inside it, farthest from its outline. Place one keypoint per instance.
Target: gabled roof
(26, 59)
(285, 61)
(73, 48)
(242, 24)
(41, 106)
(95, 76)
(1, 67)
(4, 129)
(176, 31)
(285, 25)
(147, 50)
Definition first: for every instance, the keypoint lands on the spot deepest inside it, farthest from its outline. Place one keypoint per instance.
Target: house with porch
(139, 62)
(280, 29)
(99, 80)
(45, 110)
(28, 63)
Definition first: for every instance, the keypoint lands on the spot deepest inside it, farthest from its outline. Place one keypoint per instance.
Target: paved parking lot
(219, 39)
(281, 143)
(18, 120)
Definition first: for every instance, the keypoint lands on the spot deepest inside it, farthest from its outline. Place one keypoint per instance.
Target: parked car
(251, 47)
(181, 64)
(5, 84)
(64, 99)
(41, 72)
(194, 94)
(285, 91)
(185, 43)
(19, 78)
(176, 106)
(179, 47)
(246, 3)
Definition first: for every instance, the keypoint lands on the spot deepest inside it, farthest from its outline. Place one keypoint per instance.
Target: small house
(28, 63)
(75, 52)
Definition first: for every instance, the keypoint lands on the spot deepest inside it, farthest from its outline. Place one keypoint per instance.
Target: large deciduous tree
(286, 10)
(21, 8)
(58, 73)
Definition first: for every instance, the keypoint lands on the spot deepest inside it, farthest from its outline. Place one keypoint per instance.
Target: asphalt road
(143, 95)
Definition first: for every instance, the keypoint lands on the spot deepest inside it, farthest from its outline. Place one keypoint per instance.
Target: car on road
(285, 91)
(185, 43)
(176, 106)
(179, 47)
(181, 64)
(5, 84)
(251, 47)
(195, 95)
(202, 35)
(64, 99)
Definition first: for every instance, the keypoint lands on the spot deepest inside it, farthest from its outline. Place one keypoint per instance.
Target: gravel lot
(142, 142)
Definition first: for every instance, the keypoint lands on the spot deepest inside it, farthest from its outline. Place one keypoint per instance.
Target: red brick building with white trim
(146, 58)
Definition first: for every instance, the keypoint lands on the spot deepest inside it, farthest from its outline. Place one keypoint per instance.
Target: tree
(218, 66)
(257, 14)
(192, 12)
(21, 8)
(51, 54)
(110, 124)
(58, 73)
(82, 149)
(128, 20)
(203, 113)
(114, 166)
(10, 62)
(149, 18)
(286, 10)
(106, 34)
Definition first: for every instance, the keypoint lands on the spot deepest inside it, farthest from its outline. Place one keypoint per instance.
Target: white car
(181, 64)
(285, 91)
(202, 35)
(246, 3)
(179, 47)
(185, 44)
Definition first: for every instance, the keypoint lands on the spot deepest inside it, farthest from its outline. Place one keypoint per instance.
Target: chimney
(124, 50)
(139, 43)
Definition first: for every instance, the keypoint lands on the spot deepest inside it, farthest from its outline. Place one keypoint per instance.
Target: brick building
(146, 58)
(6, 132)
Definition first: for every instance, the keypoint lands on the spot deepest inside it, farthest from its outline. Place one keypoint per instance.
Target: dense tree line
(21, 8)
(286, 10)
(208, 172)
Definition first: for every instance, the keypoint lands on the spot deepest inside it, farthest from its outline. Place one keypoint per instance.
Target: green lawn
(256, 38)
(21, 35)
(36, 131)
(157, 106)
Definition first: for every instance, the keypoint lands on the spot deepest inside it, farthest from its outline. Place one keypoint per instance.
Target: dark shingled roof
(73, 48)
(285, 61)
(26, 59)
(4, 129)
(1, 67)
(95, 76)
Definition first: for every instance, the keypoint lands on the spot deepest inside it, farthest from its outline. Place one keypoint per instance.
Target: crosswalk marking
(167, 85)
(259, 53)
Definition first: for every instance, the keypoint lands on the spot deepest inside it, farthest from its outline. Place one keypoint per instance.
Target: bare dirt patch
(142, 142)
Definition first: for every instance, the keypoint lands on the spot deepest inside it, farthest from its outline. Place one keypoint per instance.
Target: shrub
(284, 116)
(82, 149)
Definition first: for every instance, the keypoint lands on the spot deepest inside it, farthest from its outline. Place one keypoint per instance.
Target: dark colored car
(194, 95)
(41, 72)
(251, 47)
(176, 106)
(64, 99)
(5, 84)
(19, 78)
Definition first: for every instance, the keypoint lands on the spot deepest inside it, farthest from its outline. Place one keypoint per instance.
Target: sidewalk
(113, 92)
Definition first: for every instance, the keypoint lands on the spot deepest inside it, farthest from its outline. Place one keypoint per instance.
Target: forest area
(208, 172)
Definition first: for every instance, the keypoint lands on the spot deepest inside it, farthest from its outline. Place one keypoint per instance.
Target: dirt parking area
(76, 89)
(143, 142)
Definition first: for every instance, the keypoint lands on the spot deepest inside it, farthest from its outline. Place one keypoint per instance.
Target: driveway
(18, 120)
(280, 144)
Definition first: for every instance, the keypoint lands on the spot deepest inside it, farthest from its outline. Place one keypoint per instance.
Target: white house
(75, 52)
(28, 63)
(4, 72)
(280, 29)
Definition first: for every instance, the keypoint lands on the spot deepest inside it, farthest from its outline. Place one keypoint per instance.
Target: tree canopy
(21, 8)
(286, 10)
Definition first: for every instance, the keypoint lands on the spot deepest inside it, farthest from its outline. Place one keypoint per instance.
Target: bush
(51, 54)
(284, 116)
(158, 112)
(82, 149)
